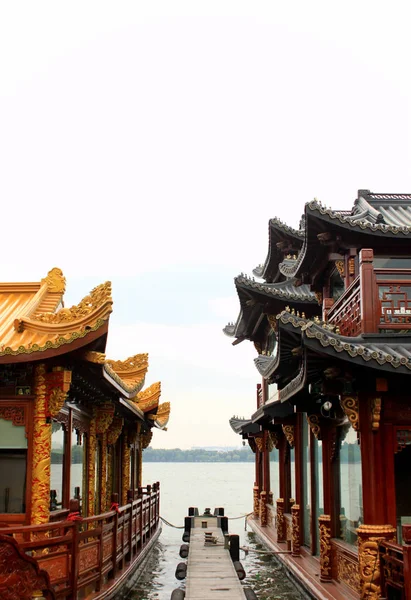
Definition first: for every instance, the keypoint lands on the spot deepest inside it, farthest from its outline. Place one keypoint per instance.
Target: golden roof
(31, 322)
(148, 399)
(129, 374)
(162, 415)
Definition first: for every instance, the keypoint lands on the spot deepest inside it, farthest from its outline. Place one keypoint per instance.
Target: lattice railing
(395, 301)
(346, 312)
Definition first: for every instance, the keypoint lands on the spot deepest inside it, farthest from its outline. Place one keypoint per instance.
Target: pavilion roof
(33, 319)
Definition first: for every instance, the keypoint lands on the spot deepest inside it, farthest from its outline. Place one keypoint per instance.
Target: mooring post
(235, 547)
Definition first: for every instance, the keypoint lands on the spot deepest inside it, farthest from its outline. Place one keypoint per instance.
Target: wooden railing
(393, 584)
(346, 312)
(81, 553)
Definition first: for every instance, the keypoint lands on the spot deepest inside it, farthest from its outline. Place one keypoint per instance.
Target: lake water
(229, 485)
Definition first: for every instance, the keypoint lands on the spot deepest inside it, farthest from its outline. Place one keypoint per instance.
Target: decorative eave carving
(349, 404)
(252, 444)
(273, 322)
(162, 415)
(314, 423)
(98, 358)
(134, 365)
(319, 297)
(95, 307)
(288, 431)
(376, 413)
(148, 398)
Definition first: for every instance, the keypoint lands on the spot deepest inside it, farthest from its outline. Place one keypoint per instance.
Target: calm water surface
(206, 485)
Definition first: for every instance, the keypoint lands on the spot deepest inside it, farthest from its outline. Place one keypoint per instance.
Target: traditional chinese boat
(330, 318)
(75, 518)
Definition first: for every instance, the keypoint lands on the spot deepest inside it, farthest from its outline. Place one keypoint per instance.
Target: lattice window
(395, 305)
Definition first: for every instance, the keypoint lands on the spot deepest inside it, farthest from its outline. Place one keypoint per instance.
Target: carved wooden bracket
(314, 423)
(349, 404)
(272, 440)
(288, 431)
(340, 267)
(104, 417)
(114, 430)
(376, 413)
(57, 386)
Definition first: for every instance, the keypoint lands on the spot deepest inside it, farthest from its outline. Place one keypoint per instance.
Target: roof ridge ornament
(98, 296)
(55, 281)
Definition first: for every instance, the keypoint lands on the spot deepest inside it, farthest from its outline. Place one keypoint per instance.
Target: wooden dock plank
(210, 571)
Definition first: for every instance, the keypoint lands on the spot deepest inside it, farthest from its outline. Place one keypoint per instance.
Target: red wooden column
(370, 304)
(376, 526)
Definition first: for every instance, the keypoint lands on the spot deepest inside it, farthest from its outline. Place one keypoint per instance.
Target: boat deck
(210, 570)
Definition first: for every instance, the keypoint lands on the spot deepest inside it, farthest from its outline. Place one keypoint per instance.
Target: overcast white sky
(149, 143)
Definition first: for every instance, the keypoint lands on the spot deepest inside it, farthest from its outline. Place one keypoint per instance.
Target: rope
(182, 526)
(171, 525)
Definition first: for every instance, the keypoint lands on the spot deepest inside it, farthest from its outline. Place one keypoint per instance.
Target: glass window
(350, 485)
(274, 474)
(319, 491)
(292, 472)
(306, 483)
(392, 263)
(56, 465)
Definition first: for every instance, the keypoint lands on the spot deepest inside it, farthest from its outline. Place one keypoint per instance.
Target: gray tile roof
(285, 290)
(374, 350)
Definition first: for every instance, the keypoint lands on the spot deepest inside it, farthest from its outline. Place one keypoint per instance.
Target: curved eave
(272, 410)
(243, 426)
(319, 218)
(128, 390)
(61, 345)
(285, 291)
(130, 406)
(277, 232)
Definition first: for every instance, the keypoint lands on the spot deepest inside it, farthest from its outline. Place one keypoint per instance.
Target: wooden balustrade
(346, 312)
(80, 553)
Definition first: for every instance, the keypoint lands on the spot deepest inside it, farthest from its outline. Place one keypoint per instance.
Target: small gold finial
(55, 281)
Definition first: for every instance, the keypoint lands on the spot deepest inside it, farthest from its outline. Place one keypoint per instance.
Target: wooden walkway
(210, 570)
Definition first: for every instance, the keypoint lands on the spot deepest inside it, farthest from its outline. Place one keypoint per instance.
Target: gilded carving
(109, 477)
(263, 509)
(351, 266)
(272, 319)
(56, 401)
(376, 413)
(91, 467)
(103, 489)
(104, 417)
(256, 502)
(114, 430)
(126, 470)
(347, 571)
(162, 415)
(369, 537)
(295, 539)
(281, 532)
(314, 423)
(325, 547)
(99, 296)
(15, 414)
(258, 347)
(272, 440)
(55, 281)
(40, 484)
(340, 267)
(349, 404)
(288, 431)
(259, 441)
(148, 398)
(319, 297)
(98, 358)
(131, 365)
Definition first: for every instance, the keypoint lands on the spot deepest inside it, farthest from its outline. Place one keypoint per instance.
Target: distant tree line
(198, 455)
